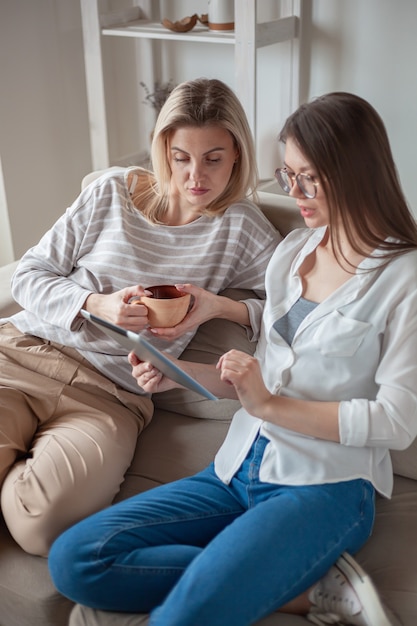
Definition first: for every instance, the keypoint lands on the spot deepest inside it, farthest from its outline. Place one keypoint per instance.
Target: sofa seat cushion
(171, 447)
(27, 595)
(390, 556)
(83, 616)
(404, 462)
(7, 305)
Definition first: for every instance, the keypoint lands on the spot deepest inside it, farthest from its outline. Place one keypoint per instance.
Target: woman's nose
(295, 191)
(196, 171)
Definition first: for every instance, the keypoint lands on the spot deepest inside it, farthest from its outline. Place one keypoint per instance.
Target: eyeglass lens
(304, 182)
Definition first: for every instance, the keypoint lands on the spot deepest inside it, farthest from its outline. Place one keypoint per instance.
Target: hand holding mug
(167, 306)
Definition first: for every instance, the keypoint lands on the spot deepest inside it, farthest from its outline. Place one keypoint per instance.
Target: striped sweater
(102, 243)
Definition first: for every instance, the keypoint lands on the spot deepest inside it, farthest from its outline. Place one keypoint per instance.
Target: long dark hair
(345, 140)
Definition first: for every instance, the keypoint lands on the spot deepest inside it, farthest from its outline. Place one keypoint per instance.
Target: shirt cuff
(354, 422)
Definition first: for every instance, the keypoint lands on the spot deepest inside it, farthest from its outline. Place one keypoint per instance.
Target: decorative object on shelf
(221, 14)
(203, 19)
(181, 26)
(246, 41)
(156, 99)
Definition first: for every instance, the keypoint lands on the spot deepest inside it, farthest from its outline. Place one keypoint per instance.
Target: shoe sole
(373, 610)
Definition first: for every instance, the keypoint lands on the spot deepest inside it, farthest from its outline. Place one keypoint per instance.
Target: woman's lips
(197, 191)
(305, 211)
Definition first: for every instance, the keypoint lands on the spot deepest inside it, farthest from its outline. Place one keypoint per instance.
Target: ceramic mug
(221, 14)
(166, 306)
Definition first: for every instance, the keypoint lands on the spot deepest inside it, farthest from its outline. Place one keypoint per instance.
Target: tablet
(147, 352)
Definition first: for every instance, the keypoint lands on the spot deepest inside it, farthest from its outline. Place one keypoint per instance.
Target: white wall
(364, 46)
(44, 144)
(369, 47)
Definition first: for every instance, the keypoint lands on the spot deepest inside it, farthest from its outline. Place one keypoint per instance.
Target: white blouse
(357, 347)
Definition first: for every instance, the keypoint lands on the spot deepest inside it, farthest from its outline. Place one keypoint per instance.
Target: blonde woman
(71, 411)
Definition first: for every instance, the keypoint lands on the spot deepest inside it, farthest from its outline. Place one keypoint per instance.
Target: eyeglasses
(306, 183)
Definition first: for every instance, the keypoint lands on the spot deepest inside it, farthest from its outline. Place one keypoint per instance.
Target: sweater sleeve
(41, 283)
(258, 242)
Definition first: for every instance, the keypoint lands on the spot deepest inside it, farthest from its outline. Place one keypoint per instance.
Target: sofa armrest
(7, 305)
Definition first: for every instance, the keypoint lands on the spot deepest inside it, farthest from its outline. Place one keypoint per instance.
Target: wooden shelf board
(154, 30)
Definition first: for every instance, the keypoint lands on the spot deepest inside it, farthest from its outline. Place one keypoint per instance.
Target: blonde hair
(197, 103)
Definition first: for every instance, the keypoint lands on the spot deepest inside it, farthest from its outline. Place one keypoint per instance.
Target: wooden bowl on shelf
(181, 26)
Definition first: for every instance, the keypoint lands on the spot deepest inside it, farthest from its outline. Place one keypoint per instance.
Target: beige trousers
(67, 437)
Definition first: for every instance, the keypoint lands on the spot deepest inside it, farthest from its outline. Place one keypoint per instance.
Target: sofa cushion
(7, 305)
(390, 555)
(170, 447)
(27, 594)
(404, 462)
(83, 616)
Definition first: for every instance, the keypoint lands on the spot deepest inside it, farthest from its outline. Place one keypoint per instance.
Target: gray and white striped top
(102, 243)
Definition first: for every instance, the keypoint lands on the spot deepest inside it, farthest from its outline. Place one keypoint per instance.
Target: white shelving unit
(247, 38)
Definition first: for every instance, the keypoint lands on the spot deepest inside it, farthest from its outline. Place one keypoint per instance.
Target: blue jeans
(198, 551)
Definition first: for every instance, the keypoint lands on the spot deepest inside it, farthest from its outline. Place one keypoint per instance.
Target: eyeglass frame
(295, 178)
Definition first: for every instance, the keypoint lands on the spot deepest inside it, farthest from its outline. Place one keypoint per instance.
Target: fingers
(132, 314)
(146, 375)
(174, 331)
(133, 359)
(235, 359)
(235, 366)
(199, 312)
(187, 288)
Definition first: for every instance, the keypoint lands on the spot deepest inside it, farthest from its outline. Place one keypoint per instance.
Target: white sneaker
(346, 595)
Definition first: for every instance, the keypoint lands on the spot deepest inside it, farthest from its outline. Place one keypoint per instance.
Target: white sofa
(181, 439)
